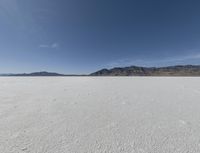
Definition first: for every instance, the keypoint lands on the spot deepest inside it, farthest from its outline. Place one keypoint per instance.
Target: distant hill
(43, 73)
(179, 70)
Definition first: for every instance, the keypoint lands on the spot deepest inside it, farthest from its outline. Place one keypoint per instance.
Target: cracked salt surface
(99, 115)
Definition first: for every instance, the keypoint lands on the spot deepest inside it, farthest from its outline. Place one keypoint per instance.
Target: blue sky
(82, 36)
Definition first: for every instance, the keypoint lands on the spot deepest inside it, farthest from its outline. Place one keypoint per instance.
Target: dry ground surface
(99, 115)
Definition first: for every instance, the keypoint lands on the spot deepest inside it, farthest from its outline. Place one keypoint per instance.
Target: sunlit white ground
(99, 115)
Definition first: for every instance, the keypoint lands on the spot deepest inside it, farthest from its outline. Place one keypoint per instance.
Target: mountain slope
(43, 73)
(179, 70)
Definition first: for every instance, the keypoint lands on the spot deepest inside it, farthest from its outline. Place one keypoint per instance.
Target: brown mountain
(178, 70)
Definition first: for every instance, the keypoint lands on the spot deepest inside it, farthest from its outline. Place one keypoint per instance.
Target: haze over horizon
(80, 37)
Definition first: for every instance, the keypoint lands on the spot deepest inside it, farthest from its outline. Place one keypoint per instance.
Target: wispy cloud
(53, 45)
(43, 46)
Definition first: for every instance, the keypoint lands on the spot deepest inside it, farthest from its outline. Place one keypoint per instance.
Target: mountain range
(178, 70)
(43, 73)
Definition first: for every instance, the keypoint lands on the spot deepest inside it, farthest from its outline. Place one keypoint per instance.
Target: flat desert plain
(99, 115)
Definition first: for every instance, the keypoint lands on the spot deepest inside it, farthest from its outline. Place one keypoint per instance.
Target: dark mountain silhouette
(179, 70)
(43, 73)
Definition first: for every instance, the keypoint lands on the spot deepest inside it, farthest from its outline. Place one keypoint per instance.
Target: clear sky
(82, 36)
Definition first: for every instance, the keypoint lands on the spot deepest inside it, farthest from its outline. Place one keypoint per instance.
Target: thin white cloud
(43, 46)
(53, 45)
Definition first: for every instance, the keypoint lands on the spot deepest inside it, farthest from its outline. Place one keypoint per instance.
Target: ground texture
(99, 115)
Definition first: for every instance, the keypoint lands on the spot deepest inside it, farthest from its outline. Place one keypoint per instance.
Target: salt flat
(99, 115)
